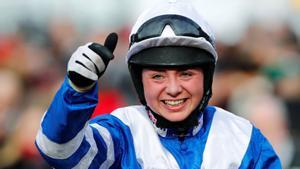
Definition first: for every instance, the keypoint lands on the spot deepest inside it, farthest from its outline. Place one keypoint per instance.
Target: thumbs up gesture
(88, 63)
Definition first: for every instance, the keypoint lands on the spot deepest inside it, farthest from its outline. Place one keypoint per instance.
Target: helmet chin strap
(181, 127)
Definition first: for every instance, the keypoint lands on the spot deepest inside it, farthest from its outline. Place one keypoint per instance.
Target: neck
(180, 128)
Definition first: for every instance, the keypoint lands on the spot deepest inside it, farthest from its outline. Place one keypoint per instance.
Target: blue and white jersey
(127, 139)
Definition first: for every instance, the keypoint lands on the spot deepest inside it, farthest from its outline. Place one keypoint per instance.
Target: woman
(171, 59)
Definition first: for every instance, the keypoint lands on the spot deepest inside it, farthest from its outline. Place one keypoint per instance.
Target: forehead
(164, 69)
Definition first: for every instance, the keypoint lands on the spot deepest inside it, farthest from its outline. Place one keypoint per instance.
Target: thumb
(111, 41)
(106, 51)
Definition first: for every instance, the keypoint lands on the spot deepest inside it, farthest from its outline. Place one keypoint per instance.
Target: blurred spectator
(6, 48)
(275, 49)
(24, 136)
(63, 38)
(234, 67)
(18, 124)
(11, 94)
(254, 100)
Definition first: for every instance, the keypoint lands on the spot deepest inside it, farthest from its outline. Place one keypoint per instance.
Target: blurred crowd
(257, 78)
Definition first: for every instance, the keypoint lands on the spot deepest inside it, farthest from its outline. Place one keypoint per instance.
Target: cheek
(196, 90)
(198, 94)
(151, 92)
(147, 93)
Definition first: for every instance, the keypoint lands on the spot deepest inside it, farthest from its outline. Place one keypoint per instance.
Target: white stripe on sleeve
(59, 151)
(110, 155)
(86, 161)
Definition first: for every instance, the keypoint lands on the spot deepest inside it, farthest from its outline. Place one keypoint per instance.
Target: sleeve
(65, 138)
(267, 158)
(260, 153)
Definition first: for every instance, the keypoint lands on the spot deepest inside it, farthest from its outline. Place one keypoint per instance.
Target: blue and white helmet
(172, 34)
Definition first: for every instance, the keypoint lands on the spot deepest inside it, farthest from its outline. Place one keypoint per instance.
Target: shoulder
(260, 152)
(121, 123)
(131, 114)
(227, 118)
(129, 110)
(227, 133)
(261, 144)
(123, 115)
(228, 126)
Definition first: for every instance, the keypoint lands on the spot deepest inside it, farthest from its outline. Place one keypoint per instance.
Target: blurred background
(257, 77)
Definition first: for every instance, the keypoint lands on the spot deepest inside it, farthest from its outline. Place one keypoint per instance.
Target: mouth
(174, 102)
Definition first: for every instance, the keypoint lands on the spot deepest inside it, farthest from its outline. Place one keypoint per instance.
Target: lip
(174, 104)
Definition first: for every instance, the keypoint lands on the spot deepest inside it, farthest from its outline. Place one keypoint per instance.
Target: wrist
(80, 89)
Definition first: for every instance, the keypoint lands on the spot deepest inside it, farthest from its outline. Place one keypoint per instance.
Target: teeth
(174, 102)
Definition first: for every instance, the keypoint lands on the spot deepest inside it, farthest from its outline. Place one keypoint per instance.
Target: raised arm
(64, 139)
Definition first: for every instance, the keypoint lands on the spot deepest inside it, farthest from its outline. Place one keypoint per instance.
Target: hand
(89, 62)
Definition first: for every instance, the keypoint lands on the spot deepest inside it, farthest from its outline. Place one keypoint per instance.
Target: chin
(176, 118)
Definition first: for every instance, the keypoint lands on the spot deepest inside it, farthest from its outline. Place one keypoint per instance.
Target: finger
(83, 71)
(111, 41)
(93, 57)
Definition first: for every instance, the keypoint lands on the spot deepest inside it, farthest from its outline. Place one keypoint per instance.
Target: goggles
(182, 26)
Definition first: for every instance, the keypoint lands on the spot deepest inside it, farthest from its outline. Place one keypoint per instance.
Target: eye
(157, 76)
(186, 74)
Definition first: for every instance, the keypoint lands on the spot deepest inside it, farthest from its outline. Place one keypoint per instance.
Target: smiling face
(173, 93)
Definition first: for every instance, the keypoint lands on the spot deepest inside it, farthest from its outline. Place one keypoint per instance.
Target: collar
(173, 132)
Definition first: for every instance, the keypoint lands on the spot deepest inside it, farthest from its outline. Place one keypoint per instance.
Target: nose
(173, 87)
